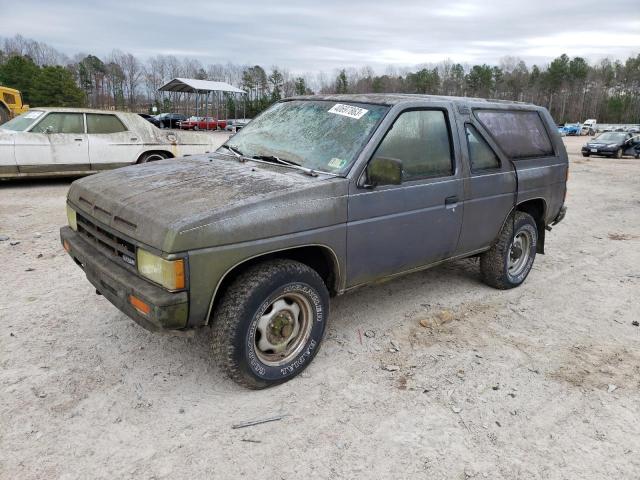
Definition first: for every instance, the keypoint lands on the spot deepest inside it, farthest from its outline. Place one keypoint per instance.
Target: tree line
(571, 88)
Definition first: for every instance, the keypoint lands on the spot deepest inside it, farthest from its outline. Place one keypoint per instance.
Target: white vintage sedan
(64, 141)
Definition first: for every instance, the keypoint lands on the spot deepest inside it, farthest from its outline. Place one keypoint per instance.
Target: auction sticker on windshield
(348, 111)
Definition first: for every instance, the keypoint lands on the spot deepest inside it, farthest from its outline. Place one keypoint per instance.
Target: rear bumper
(168, 311)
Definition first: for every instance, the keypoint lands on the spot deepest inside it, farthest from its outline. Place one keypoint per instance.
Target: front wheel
(585, 154)
(270, 322)
(4, 115)
(507, 264)
(618, 153)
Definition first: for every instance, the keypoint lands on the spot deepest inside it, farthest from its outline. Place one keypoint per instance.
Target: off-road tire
(494, 263)
(235, 321)
(152, 157)
(4, 115)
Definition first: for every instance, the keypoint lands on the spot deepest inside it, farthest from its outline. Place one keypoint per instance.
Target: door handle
(451, 200)
(78, 139)
(133, 139)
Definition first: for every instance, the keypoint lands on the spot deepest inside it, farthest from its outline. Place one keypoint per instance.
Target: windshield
(22, 122)
(611, 137)
(320, 135)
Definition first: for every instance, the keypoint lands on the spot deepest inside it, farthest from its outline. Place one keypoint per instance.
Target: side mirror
(383, 171)
(48, 130)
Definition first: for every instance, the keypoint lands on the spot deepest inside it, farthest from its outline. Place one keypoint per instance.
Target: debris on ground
(635, 323)
(391, 368)
(14, 243)
(621, 236)
(3, 238)
(370, 333)
(611, 388)
(251, 423)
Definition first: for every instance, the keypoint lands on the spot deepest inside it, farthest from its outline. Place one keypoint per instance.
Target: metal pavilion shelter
(202, 89)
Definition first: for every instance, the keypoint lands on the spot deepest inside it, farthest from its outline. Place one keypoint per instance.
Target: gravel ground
(540, 382)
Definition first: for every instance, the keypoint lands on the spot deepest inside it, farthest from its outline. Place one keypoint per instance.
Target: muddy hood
(198, 202)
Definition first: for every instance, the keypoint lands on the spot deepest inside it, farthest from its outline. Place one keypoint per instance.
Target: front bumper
(599, 150)
(169, 311)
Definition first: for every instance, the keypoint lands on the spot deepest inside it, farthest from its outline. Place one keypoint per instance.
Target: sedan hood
(206, 201)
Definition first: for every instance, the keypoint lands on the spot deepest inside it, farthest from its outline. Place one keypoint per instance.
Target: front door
(57, 143)
(396, 228)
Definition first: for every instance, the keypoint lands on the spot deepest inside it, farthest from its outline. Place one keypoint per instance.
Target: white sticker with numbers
(348, 111)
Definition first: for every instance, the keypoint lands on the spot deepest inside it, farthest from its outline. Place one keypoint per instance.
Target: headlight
(168, 273)
(71, 218)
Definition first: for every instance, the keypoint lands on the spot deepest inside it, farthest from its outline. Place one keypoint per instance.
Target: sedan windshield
(319, 135)
(22, 122)
(610, 137)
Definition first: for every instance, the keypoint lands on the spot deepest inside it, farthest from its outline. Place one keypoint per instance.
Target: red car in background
(201, 123)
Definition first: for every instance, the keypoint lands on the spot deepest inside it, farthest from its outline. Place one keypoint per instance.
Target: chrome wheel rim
(519, 253)
(283, 329)
(154, 157)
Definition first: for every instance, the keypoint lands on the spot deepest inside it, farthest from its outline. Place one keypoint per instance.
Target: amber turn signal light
(66, 246)
(139, 305)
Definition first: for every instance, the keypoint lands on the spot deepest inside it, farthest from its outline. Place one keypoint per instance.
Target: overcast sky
(307, 36)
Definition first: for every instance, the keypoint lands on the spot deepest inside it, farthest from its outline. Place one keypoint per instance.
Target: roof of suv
(397, 98)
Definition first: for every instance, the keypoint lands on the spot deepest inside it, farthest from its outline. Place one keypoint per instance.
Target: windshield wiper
(235, 150)
(274, 159)
(287, 163)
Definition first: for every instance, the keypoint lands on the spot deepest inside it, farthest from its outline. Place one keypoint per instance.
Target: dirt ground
(540, 382)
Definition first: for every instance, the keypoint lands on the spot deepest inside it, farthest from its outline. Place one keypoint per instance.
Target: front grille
(108, 242)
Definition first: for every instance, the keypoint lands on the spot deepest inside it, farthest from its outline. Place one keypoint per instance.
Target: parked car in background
(150, 118)
(236, 124)
(613, 144)
(201, 123)
(590, 126)
(10, 104)
(317, 196)
(50, 141)
(170, 120)
(571, 129)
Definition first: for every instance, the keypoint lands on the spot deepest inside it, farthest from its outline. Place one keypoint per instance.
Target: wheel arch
(320, 258)
(167, 153)
(537, 208)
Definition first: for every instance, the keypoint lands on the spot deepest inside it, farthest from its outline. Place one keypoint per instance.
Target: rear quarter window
(520, 134)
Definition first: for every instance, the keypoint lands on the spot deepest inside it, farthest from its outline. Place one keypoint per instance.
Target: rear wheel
(152, 157)
(270, 322)
(507, 264)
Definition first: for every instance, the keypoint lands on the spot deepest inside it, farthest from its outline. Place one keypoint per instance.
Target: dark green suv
(315, 197)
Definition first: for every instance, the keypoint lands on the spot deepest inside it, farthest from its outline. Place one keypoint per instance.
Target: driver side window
(61, 122)
(420, 139)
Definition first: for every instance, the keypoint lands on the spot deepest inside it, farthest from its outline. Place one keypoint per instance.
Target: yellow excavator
(10, 103)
